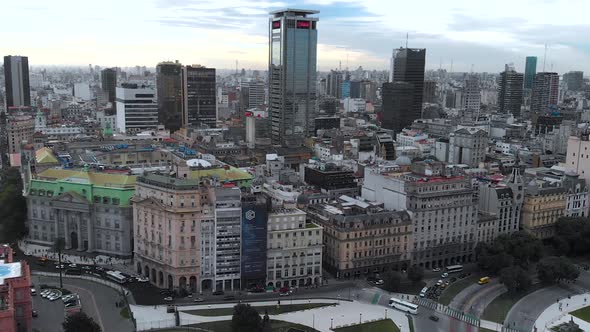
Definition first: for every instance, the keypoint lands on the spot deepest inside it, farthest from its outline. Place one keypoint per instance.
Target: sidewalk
(344, 313)
(558, 313)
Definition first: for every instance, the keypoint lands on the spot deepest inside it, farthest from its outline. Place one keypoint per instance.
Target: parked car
(434, 318)
(86, 267)
(284, 293)
(33, 292)
(60, 266)
(439, 283)
(436, 269)
(35, 313)
(229, 298)
(73, 265)
(379, 282)
(218, 292)
(198, 299)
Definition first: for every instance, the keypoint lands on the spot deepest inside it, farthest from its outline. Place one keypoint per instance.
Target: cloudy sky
(472, 33)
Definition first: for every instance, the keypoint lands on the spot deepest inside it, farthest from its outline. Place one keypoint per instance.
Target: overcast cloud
(482, 34)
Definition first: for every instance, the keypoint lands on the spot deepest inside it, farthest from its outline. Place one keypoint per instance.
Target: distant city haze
(483, 35)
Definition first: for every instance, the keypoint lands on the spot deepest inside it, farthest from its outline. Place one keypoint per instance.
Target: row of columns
(66, 215)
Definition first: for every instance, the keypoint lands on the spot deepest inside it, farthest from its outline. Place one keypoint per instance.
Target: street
(98, 301)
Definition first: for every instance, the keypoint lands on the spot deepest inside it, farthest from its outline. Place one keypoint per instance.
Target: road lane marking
(93, 301)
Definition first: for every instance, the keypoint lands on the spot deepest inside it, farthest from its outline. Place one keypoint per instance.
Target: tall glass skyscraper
(198, 93)
(530, 71)
(292, 75)
(169, 84)
(16, 80)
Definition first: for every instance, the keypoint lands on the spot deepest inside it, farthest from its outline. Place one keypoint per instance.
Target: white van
(423, 292)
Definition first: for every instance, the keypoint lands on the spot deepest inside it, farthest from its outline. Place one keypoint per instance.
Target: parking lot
(50, 313)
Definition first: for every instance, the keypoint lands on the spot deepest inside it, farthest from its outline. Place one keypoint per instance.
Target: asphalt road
(98, 301)
(475, 298)
(526, 311)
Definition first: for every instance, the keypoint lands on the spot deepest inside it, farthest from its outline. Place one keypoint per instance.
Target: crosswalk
(451, 312)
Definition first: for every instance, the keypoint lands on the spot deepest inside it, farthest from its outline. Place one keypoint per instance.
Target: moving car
(434, 318)
(33, 292)
(436, 269)
(484, 280)
(218, 292)
(168, 298)
(35, 313)
(444, 275)
(379, 282)
(229, 298)
(198, 299)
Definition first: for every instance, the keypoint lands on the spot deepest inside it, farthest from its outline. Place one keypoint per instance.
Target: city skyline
(216, 34)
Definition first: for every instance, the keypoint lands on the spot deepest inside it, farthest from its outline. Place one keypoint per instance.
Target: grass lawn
(272, 309)
(455, 288)
(498, 309)
(276, 326)
(386, 325)
(583, 313)
(124, 312)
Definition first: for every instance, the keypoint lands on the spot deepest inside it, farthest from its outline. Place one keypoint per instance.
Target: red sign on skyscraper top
(276, 24)
(303, 24)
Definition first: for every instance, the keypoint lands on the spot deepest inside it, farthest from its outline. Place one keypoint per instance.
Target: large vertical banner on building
(254, 227)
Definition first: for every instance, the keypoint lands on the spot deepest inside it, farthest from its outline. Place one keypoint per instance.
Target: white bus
(454, 268)
(423, 292)
(116, 276)
(403, 306)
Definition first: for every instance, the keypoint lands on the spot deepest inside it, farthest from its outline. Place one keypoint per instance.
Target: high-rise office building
(169, 90)
(137, 109)
(545, 92)
(398, 98)
(409, 67)
(530, 71)
(472, 94)
(510, 91)
(334, 84)
(108, 81)
(574, 80)
(429, 92)
(16, 79)
(251, 95)
(200, 105)
(292, 75)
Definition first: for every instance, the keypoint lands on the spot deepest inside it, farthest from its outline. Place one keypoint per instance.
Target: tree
(80, 322)
(552, 270)
(246, 318)
(392, 281)
(517, 248)
(415, 274)
(571, 234)
(58, 245)
(516, 279)
(13, 206)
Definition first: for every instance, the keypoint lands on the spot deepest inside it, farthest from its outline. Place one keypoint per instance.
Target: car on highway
(484, 280)
(218, 292)
(434, 318)
(199, 299)
(444, 275)
(436, 269)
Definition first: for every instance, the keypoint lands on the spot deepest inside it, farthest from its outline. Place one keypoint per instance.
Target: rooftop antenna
(544, 57)
(236, 67)
(407, 37)
(440, 64)
(340, 65)
(451, 66)
(472, 68)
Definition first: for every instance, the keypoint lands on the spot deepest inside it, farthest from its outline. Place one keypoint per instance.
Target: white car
(168, 298)
(444, 275)
(54, 297)
(33, 292)
(142, 279)
(379, 282)
(73, 265)
(436, 269)
(440, 282)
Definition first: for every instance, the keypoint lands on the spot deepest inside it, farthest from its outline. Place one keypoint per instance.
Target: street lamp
(385, 313)
(360, 318)
(331, 323)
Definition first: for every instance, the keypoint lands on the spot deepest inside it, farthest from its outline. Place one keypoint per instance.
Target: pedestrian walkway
(322, 319)
(458, 314)
(559, 312)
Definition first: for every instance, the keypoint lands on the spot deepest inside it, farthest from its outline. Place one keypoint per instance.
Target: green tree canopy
(553, 269)
(246, 318)
(392, 281)
(13, 206)
(516, 279)
(80, 322)
(518, 248)
(415, 274)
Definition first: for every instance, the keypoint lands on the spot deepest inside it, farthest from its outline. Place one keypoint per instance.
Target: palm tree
(58, 245)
